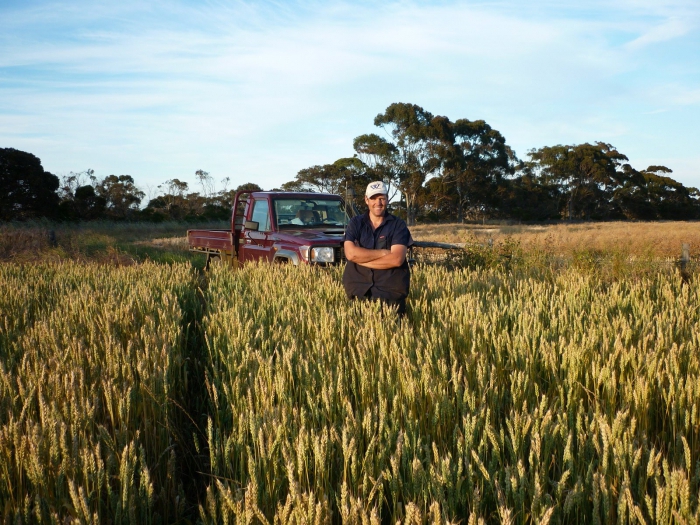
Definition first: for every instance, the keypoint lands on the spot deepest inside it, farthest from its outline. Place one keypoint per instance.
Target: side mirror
(252, 225)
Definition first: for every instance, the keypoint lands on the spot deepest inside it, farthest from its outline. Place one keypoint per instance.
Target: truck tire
(212, 259)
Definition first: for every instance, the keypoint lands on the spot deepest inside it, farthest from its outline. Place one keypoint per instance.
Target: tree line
(464, 170)
(437, 169)
(27, 191)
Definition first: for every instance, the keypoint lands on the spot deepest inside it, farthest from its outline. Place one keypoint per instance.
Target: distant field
(167, 242)
(646, 239)
(109, 242)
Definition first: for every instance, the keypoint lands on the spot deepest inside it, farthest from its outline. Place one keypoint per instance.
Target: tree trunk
(410, 215)
(460, 204)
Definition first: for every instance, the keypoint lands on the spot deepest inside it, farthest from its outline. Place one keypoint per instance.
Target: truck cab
(279, 227)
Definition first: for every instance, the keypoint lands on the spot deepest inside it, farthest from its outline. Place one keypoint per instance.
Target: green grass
(120, 243)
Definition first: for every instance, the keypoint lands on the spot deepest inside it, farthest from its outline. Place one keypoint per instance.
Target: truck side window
(261, 215)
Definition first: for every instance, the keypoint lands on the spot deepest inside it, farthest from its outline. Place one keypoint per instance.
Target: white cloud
(687, 97)
(272, 88)
(668, 96)
(668, 30)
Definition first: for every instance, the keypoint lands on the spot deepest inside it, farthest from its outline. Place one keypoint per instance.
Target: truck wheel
(212, 259)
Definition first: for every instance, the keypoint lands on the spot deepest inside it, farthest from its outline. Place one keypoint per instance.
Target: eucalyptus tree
(409, 157)
(379, 156)
(70, 183)
(355, 175)
(670, 198)
(326, 178)
(587, 174)
(26, 190)
(207, 182)
(528, 198)
(631, 199)
(79, 199)
(344, 173)
(121, 195)
(475, 166)
(85, 204)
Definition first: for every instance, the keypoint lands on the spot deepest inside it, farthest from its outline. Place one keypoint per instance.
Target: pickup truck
(278, 227)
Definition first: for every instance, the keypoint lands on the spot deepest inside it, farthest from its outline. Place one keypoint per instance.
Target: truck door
(257, 245)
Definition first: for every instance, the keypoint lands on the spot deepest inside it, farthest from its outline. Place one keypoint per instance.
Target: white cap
(376, 188)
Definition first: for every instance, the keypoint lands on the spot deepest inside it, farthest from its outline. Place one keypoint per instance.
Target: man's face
(377, 204)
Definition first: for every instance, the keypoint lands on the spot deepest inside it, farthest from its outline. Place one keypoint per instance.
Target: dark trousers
(399, 304)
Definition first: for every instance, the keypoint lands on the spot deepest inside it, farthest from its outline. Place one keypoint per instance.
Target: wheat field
(518, 389)
(501, 397)
(92, 368)
(660, 239)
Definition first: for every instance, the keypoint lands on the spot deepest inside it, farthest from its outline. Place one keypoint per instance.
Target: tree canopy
(586, 174)
(465, 170)
(121, 195)
(436, 169)
(26, 190)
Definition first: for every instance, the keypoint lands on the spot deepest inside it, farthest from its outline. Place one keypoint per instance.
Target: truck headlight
(322, 255)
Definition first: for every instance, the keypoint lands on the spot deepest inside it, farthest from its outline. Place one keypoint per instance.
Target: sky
(255, 91)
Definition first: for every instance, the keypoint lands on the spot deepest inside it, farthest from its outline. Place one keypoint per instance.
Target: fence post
(683, 263)
(685, 255)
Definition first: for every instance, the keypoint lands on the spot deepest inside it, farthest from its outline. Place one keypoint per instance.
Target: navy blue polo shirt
(391, 283)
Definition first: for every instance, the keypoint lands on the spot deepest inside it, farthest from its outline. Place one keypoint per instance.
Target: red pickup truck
(280, 227)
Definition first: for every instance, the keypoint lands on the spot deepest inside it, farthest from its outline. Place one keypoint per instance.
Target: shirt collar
(387, 217)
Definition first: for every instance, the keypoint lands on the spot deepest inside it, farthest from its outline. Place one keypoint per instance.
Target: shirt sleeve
(351, 231)
(401, 235)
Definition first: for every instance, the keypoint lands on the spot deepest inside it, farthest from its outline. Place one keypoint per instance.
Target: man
(375, 247)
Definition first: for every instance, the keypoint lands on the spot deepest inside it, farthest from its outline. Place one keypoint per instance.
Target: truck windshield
(321, 213)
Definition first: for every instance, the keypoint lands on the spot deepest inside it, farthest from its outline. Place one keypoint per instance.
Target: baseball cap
(375, 188)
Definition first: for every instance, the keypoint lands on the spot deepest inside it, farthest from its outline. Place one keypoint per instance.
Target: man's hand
(360, 255)
(376, 259)
(393, 259)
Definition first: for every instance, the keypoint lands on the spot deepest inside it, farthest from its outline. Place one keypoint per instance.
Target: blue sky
(256, 91)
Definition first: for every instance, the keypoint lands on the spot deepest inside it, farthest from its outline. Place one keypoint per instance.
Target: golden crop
(506, 394)
(91, 364)
(502, 396)
(657, 239)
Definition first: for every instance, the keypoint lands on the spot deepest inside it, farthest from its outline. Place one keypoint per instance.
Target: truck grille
(339, 254)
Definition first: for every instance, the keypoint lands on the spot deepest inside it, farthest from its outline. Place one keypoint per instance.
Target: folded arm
(376, 259)
(393, 259)
(361, 255)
